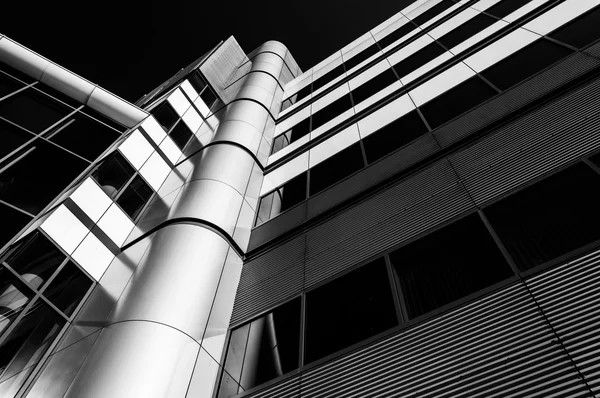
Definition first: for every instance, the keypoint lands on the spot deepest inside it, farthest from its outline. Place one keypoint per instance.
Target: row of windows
(542, 224)
(503, 75)
(40, 290)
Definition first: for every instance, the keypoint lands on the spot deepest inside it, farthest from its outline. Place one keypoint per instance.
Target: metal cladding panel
(290, 388)
(515, 98)
(223, 63)
(569, 296)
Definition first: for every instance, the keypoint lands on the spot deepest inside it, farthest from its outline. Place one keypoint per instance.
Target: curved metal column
(166, 333)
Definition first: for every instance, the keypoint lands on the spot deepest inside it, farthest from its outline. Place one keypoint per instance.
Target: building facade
(416, 216)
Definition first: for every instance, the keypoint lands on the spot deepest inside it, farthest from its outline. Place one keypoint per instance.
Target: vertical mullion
(399, 304)
(498, 241)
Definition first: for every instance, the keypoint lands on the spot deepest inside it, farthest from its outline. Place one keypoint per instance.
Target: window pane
(373, 86)
(39, 176)
(335, 168)
(197, 81)
(8, 85)
(14, 296)
(506, 7)
(301, 94)
(361, 56)
(280, 142)
(56, 94)
(418, 59)
(329, 76)
(135, 197)
(68, 288)
(113, 173)
(525, 63)
(11, 137)
(9, 70)
(165, 115)
(551, 218)
(396, 35)
(84, 136)
(456, 101)
(580, 32)
(35, 258)
(332, 110)
(208, 97)
(12, 222)
(465, 259)
(21, 107)
(393, 136)
(181, 134)
(264, 210)
(292, 192)
(348, 310)
(98, 116)
(433, 11)
(466, 30)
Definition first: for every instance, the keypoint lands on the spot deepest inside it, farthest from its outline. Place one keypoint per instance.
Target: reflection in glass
(283, 198)
(11, 137)
(292, 135)
(8, 85)
(165, 115)
(21, 107)
(14, 296)
(335, 168)
(580, 32)
(135, 197)
(68, 288)
(113, 173)
(181, 134)
(12, 222)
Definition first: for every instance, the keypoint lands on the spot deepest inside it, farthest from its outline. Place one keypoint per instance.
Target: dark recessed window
(41, 173)
(68, 288)
(295, 133)
(33, 110)
(56, 94)
(447, 265)
(84, 136)
(580, 32)
(11, 137)
(17, 296)
(12, 222)
(8, 85)
(197, 82)
(209, 97)
(165, 115)
(100, 117)
(35, 258)
(265, 349)
(506, 7)
(280, 142)
(418, 59)
(335, 168)
(286, 104)
(288, 195)
(135, 197)
(433, 12)
(17, 74)
(373, 86)
(551, 218)
(595, 159)
(113, 173)
(525, 63)
(327, 77)
(302, 93)
(348, 310)
(361, 56)
(181, 134)
(393, 136)
(466, 30)
(456, 101)
(396, 35)
(331, 111)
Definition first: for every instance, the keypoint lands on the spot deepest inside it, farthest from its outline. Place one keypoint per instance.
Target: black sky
(131, 46)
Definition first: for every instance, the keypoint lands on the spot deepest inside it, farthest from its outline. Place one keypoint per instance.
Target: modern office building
(418, 215)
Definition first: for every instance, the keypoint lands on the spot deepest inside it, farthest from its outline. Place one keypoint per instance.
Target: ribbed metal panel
(569, 296)
(498, 346)
(277, 226)
(288, 389)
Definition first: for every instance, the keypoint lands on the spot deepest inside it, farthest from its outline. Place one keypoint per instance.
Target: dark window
(396, 35)
(286, 104)
(265, 349)
(84, 136)
(456, 101)
(15, 297)
(17, 74)
(181, 134)
(373, 86)
(11, 137)
(418, 59)
(56, 95)
(433, 11)
(135, 197)
(361, 56)
(327, 77)
(68, 288)
(295, 133)
(447, 265)
(330, 111)
(288, 195)
(113, 173)
(42, 171)
(580, 32)
(302, 93)
(100, 117)
(551, 218)
(393, 136)
(281, 141)
(506, 7)
(12, 222)
(466, 30)
(524, 63)
(197, 82)
(165, 115)
(209, 97)
(335, 168)
(8, 85)
(35, 258)
(33, 110)
(348, 310)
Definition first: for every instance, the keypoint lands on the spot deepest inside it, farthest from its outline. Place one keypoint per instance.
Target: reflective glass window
(373, 86)
(165, 115)
(12, 222)
(396, 35)
(550, 218)
(197, 82)
(209, 97)
(465, 260)
(302, 93)
(418, 59)
(335, 168)
(100, 117)
(56, 94)
(506, 7)
(361, 56)
(33, 110)
(580, 32)
(134, 197)
(14, 296)
(327, 77)
(466, 30)
(330, 111)
(11, 137)
(286, 104)
(525, 63)
(349, 309)
(68, 288)
(8, 85)
(394, 135)
(456, 101)
(433, 12)
(83, 136)
(181, 134)
(41, 172)
(283, 198)
(295, 133)
(113, 173)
